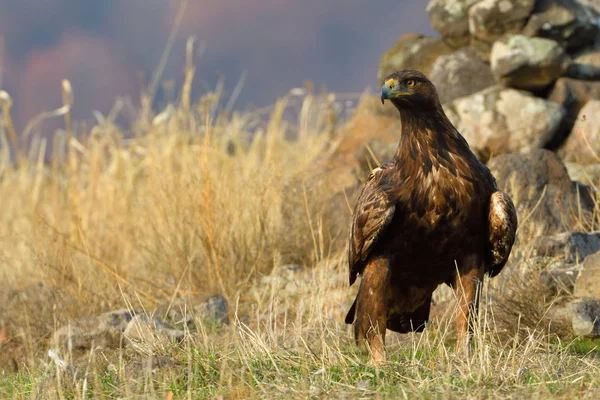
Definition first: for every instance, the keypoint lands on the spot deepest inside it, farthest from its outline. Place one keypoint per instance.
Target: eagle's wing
(373, 212)
(502, 227)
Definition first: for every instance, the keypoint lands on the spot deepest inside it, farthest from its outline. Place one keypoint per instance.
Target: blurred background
(109, 48)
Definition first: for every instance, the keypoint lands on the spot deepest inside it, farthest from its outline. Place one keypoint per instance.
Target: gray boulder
(214, 308)
(572, 94)
(586, 174)
(187, 312)
(460, 74)
(559, 279)
(499, 120)
(539, 180)
(527, 63)
(150, 336)
(451, 19)
(291, 278)
(100, 332)
(567, 22)
(593, 5)
(412, 51)
(588, 284)
(571, 247)
(589, 56)
(583, 144)
(585, 317)
(491, 19)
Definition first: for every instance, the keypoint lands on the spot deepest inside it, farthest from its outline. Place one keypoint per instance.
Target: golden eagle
(431, 215)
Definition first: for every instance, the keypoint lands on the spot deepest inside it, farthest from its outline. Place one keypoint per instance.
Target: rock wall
(526, 67)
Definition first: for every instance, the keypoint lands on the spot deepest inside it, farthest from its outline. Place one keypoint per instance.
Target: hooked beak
(385, 91)
(389, 90)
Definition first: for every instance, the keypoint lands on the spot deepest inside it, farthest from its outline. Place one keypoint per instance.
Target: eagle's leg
(468, 286)
(372, 308)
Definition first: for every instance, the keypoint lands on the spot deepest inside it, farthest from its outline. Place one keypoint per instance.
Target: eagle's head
(409, 89)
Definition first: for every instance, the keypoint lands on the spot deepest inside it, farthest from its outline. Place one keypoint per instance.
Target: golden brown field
(189, 204)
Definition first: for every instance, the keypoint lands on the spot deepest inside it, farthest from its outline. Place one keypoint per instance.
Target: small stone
(585, 317)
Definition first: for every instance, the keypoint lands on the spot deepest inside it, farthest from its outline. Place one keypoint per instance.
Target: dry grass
(197, 200)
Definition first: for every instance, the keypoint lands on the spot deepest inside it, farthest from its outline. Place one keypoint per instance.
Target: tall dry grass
(194, 200)
(198, 199)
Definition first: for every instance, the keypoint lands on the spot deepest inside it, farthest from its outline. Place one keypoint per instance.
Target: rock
(559, 313)
(559, 278)
(571, 247)
(450, 19)
(117, 320)
(583, 144)
(588, 284)
(586, 65)
(527, 63)
(185, 312)
(572, 94)
(412, 51)
(291, 278)
(586, 174)
(150, 335)
(214, 308)
(82, 334)
(593, 5)
(567, 22)
(491, 19)
(528, 177)
(481, 49)
(585, 317)
(460, 74)
(499, 120)
(100, 332)
(588, 57)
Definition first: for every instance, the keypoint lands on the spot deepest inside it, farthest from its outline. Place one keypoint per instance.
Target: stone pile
(513, 75)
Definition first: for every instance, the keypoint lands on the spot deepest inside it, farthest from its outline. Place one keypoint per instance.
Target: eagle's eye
(410, 83)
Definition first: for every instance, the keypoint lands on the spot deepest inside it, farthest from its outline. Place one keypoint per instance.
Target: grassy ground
(184, 204)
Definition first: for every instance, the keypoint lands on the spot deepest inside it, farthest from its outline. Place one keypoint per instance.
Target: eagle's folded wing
(373, 212)
(502, 227)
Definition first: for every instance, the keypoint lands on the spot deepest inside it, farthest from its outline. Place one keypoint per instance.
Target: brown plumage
(431, 215)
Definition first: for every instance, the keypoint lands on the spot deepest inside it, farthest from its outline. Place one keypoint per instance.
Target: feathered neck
(426, 131)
